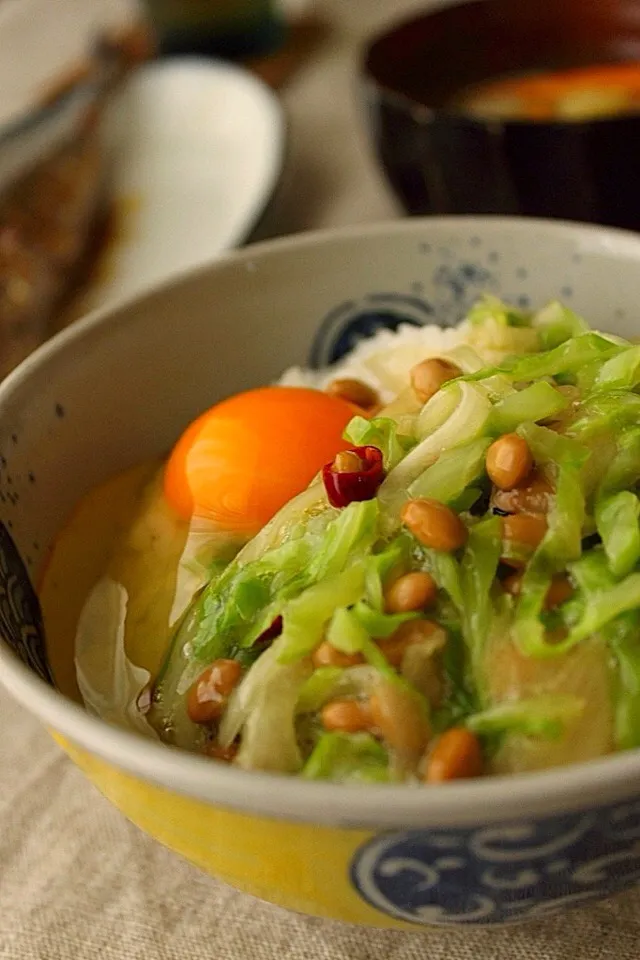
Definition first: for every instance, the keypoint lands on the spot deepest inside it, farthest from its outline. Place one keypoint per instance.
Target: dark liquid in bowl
(441, 159)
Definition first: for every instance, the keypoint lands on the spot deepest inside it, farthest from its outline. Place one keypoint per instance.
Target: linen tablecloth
(77, 881)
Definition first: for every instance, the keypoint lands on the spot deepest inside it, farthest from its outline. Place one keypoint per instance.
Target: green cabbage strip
(545, 716)
(438, 409)
(492, 308)
(395, 558)
(445, 570)
(306, 616)
(381, 432)
(617, 519)
(262, 709)
(348, 758)
(568, 357)
(243, 603)
(566, 517)
(555, 324)
(562, 542)
(381, 625)
(348, 634)
(477, 573)
(234, 603)
(621, 372)
(603, 598)
(624, 469)
(605, 414)
(466, 422)
(329, 683)
(463, 697)
(454, 471)
(539, 401)
(622, 636)
(465, 357)
(320, 687)
(347, 538)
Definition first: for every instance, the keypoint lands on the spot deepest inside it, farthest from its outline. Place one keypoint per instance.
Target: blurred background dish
(110, 179)
(196, 152)
(59, 64)
(229, 28)
(451, 144)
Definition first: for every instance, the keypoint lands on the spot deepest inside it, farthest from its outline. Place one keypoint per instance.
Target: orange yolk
(242, 460)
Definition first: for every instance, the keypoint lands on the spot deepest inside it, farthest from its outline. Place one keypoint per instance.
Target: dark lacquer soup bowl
(439, 159)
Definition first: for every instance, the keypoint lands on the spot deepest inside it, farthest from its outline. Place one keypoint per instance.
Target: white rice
(385, 359)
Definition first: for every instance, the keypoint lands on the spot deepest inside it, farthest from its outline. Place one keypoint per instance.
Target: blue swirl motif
(349, 323)
(20, 616)
(453, 286)
(500, 874)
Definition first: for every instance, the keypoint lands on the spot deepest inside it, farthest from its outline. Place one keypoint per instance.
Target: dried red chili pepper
(346, 486)
(267, 636)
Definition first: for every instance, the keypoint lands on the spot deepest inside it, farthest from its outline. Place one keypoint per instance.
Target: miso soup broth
(579, 93)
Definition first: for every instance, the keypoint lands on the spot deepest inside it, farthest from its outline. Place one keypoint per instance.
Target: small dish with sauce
(501, 108)
(60, 66)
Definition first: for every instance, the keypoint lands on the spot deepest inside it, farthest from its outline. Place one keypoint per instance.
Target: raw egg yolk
(242, 460)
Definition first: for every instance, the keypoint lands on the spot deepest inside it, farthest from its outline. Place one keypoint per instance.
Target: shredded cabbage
(544, 716)
(539, 401)
(262, 712)
(245, 600)
(453, 472)
(330, 683)
(562, 542)
(348, 758)
(467, 422)
(381, 432)
(566, 358)
(622, 636)
(617, 519)
(477, 572)
(109, 682)
(622, 372)
(500, 657)
(603, 597)
(556, 323)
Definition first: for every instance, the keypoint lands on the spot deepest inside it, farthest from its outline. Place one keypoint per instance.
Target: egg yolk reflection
(241, 461)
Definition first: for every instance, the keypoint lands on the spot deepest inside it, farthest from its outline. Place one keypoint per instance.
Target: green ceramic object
(227, 28)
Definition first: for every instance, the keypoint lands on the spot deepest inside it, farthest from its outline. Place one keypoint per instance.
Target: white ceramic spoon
(197, 148)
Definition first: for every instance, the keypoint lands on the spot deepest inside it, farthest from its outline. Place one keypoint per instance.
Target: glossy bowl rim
(595, 783)
(423, 113)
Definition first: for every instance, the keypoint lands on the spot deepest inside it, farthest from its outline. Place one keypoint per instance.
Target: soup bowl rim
(423, 113)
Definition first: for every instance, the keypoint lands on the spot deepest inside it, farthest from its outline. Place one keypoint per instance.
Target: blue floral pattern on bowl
(453, 287)
(20, 616)
(500, 873)
(349, 323)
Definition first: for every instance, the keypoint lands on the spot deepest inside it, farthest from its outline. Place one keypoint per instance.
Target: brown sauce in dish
(54, 221)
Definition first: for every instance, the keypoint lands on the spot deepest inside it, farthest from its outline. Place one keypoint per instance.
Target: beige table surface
(77, 881)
